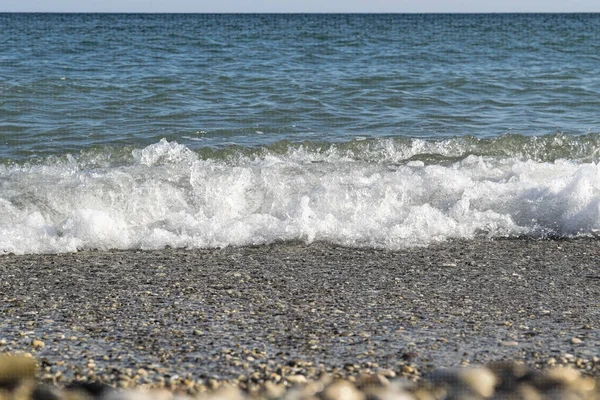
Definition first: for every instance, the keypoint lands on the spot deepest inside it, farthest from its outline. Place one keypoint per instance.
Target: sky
(208, 6)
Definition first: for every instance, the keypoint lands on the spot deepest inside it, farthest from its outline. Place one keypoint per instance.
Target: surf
(167, 194)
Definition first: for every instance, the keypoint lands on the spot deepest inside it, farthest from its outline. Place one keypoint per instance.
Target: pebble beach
(264, 320)
(299, 206)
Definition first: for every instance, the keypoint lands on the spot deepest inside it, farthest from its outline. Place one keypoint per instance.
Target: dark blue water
(71, 81)
(145, 131)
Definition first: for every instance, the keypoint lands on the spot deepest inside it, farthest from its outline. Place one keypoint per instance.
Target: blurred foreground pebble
(503, 380)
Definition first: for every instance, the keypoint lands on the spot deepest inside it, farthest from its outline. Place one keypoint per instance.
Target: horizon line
(304, 12)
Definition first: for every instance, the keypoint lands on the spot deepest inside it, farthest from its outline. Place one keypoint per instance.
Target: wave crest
(168, 195)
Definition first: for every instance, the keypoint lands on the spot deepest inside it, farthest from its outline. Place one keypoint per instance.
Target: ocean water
(146, 131)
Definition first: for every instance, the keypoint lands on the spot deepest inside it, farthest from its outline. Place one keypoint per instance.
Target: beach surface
(258, 313)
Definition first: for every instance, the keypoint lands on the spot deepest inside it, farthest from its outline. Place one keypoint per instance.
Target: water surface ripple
(71, 81)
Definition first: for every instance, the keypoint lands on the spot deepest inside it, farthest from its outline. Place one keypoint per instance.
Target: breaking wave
(385, 193)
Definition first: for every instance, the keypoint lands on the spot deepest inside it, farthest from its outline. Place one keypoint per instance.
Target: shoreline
(222, 314)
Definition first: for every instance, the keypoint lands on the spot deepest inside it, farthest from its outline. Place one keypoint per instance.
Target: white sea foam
(168, 196)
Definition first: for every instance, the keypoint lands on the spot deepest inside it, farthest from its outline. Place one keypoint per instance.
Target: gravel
(286, 313)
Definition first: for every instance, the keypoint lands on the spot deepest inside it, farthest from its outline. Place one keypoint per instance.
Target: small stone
(273, 390)
(388, 373)
(228, 392)
(509, 343)
(481, 380)
(47, 377)
(296, 379)
(37, 344)
(407, 369)
(586, 384)
(372, 380)
(123, 383)
(342, 390)
(576, 340)
(154, 394)
(382, 393)
(424, 394)
(16, 368)
(528, 392)
(564, 375)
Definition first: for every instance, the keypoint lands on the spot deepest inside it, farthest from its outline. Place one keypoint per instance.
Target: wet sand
(235, 313)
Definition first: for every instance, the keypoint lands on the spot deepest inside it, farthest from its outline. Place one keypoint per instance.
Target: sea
(148, 131)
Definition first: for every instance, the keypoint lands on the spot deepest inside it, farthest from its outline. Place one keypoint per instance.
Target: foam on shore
(168, 195)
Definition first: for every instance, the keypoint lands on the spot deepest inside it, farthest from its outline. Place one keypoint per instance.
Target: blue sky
(300, 5)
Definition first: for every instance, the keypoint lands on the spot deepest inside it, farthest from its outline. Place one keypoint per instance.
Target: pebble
(565, 376)
(342, 390)
(407, 369)
(388, 373)
(16, 368)
(509, 343)
(274, 390)
(576, 340)
(500, 380)
(481, 380)
(296, 379)
(372, 380)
